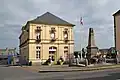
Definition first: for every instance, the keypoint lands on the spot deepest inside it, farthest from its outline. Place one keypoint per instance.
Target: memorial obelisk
(92, 49)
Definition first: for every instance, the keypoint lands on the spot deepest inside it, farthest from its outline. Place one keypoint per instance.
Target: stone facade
(40, 39)
(92, 49)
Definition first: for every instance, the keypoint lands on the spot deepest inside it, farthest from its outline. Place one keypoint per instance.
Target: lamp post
(116, 57)
(86, 61)
(85, 52)
(69, 54)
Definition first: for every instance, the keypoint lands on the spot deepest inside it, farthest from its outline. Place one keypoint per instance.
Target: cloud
(96, 14)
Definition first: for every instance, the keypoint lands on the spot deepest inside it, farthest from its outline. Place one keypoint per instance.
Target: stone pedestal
(92, 51)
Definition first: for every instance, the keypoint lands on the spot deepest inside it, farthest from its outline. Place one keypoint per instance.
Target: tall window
(66, 53)
(65, 33)
(52, 33)
(37, 52)
(38, 33)
(38, 36)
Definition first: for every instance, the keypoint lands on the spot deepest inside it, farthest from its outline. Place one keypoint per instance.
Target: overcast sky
(96, 14)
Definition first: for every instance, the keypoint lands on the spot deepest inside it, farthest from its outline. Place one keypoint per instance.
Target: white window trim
(38, 54)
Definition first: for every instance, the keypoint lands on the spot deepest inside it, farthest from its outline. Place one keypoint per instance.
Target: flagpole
(81, 45)
(81, 22)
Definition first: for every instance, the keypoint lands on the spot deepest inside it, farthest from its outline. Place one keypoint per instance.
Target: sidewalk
(65, 68)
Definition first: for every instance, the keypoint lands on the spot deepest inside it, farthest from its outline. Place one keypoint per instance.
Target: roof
(118, 12)
(112, 48)
(107, 49)
(50, 19)
(103, 50)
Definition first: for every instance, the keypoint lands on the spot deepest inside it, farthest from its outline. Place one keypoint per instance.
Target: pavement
(18, 73)
(65, 68)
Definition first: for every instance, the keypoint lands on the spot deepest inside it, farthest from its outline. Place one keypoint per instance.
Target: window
(65, 47)
(38, 36)
(66, 29)
(38, 54)
(66, 56)
(38, 27)
(52, 33)
(37, 47)
(65, 33)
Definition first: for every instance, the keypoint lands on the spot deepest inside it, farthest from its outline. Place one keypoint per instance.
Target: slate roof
(50, 19)
(118, 12)
(107, 50)
(103, 50)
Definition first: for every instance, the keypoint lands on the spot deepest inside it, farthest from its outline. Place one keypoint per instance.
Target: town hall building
(45, 36)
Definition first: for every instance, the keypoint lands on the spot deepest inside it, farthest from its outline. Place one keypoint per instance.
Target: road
(17, 73)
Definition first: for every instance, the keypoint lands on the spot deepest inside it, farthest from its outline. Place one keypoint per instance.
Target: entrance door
(52, 53)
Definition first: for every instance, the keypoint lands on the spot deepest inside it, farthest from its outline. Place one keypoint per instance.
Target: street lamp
(69, 55)
(116, 57)
(86, 61)
(85, 52)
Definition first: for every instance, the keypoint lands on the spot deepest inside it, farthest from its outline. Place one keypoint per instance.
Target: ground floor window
(37, 54)
(52, 52)
(66, 55)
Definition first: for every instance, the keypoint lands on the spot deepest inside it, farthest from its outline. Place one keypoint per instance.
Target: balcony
(66, 39)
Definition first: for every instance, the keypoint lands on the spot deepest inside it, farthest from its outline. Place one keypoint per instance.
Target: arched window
(65, 34)
(52, 33)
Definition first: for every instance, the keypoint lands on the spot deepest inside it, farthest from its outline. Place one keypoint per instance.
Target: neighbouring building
(110, 52)
(8, 51)
(117, 30)
(4, 53)
(104, 51)
(47, 35)
(117, 33)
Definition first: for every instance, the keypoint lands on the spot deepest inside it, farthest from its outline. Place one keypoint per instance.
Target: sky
(96, 14)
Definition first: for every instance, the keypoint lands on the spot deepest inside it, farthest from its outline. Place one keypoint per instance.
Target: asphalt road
(17, 73)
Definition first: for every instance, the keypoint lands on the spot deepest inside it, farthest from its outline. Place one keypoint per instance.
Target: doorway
(52, 53)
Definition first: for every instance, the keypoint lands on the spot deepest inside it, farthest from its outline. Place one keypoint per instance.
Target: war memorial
(92, 55)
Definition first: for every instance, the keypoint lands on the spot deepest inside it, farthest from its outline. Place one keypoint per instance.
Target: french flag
(81, 21)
